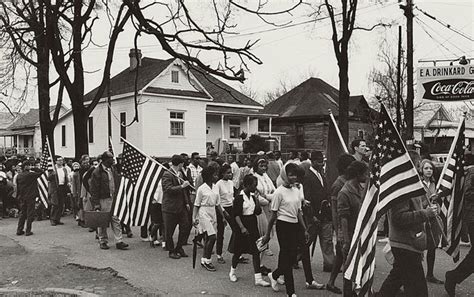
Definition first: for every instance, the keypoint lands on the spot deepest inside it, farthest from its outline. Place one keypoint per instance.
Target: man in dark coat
(27, 191)
(316, 191)
(58, 189)
(175, 207)
(104, 183)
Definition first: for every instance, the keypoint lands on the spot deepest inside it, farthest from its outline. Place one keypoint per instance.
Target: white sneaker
(314, 286)
(262, 283)
(273, 282)
(293, 295)
(232, 277)
(281, 280)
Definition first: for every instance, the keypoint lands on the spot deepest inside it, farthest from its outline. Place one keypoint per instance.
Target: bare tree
(383, 79)
(343, 24)
(76, 17)
(23, 35)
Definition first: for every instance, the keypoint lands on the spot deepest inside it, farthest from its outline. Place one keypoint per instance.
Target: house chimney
(135, 58)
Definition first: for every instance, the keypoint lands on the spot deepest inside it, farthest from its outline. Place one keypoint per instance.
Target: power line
(201, 41)
(424, 26)
(444, 24)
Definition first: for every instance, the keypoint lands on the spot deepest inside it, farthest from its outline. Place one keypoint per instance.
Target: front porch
(227, 128)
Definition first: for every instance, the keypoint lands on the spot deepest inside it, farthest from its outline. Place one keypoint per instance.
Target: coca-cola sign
(446, 83)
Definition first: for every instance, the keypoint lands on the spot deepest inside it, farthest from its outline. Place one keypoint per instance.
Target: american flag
(139, 181)
(452, 180)
(393, 178)
(46, 164)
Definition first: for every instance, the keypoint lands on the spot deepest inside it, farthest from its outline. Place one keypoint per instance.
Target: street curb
(49, 290)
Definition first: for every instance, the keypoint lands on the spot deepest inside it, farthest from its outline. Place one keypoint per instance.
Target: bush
(255, 144)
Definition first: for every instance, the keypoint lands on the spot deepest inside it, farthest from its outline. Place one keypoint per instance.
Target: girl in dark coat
(246, 208)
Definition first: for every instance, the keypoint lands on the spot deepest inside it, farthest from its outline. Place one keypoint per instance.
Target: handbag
(96, 219)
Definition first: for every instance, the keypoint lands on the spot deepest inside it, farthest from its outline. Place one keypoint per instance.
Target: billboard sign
(446, 83)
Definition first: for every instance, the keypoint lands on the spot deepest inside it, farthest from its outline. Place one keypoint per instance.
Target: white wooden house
(178, 111)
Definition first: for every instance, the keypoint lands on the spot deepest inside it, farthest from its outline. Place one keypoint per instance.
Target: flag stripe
(140, 179)
(393, 180)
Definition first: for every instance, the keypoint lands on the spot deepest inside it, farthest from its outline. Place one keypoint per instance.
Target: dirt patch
(37, 271)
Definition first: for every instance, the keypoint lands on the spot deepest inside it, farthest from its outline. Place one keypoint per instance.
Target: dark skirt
(245, 244)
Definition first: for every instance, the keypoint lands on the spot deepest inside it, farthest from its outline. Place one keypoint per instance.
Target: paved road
(145, 270)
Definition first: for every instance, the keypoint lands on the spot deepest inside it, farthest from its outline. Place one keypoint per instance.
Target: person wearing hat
(27, 191)
(104, 184)
(316, 190)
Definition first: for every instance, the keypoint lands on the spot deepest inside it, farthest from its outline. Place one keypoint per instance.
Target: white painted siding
(100, 143)
(157, 140)
(164, 80)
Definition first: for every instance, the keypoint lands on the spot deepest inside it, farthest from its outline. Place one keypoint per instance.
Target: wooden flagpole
(339, 135)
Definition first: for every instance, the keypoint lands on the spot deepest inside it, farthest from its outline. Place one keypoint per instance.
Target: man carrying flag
(395, 186)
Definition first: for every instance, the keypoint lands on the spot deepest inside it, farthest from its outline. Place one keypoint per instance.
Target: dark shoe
(91, 229)
(265, 270)
(174, 256)
(209, 267)
(243, 260)
(333, 289)
(181, 253)
(121, 246)
(59, 223)
(29, 233)
(220, 260)
(104, 246)
(450, 284)
(53, 223)
(21, 232)
(434, 280)
(129, 234)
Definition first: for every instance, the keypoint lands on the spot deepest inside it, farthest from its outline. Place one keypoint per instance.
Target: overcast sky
(293, 54)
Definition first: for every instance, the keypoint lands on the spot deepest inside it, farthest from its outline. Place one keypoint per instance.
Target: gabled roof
(124, 83)
(313, 98)
(6, 119)
(29, 119)
(432, 115)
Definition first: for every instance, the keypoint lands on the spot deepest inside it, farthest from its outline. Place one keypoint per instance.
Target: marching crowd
(265, 199)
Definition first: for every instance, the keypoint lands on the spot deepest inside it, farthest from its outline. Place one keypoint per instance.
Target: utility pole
(399, 74)
(408, 12)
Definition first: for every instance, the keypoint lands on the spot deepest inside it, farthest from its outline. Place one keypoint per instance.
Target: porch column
(222, 127)
(270, 127)
(18, 144)
(248, 127)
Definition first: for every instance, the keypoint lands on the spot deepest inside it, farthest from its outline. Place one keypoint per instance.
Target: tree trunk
(42, 70)
(344, 95)
(81, 140)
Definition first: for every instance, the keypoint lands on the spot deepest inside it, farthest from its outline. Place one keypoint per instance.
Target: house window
(176, 123)
(234, 126)
(174, 76)
(360, 134)
(90, 129)
(25, 141)
(299, 136)
(63, 135)
(123, 122)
